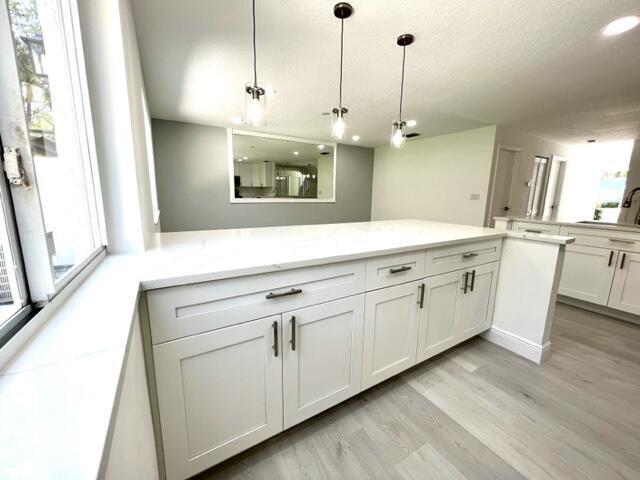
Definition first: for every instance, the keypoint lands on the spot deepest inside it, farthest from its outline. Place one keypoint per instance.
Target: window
(56, 201)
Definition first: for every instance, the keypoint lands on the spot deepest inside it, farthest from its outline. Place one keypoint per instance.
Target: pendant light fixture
(341, 10)
(398, 127)
(256, 99)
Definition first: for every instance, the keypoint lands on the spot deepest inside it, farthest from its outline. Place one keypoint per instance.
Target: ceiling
(253, 149)
(543, 67)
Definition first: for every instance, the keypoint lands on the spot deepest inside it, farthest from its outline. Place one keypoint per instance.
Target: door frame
(494, 171)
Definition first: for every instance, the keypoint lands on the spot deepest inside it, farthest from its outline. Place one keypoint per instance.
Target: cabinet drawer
(595, 237)
(394, 269)
(448, 259)
(533, 227)
(186, 310)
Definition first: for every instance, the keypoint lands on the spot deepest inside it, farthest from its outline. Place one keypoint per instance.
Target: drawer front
(448, 259)
(594, 237)
(394, 269)
(190, 309)
(533, 227)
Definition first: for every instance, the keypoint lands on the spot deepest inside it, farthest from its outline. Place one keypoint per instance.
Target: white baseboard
(601, 309)
(518, 345)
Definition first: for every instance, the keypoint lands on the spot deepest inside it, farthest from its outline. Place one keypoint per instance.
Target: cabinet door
(478, 301)
(219, 393)
(390, 332)
(440, 314)
(587, 273)
(245, 174)
(255, 174)
(322, 357)
(269, 174)
(625, 292)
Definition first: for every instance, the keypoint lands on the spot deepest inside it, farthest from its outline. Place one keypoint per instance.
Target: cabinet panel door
(245, 174)
(477, 303)
(440, 314)
(587, 273)
(625, 292)
(390, 332)
(322, 357)
(218, 393)
(255, 174)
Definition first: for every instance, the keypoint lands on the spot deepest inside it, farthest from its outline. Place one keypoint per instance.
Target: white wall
(530, 146)
(115, 87)
(434, 178)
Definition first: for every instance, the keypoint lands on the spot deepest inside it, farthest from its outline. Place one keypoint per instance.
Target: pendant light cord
(255, 68)
(341, 57)
(404, 54)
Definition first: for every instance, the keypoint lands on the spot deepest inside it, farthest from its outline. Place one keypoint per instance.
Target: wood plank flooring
(479, 412)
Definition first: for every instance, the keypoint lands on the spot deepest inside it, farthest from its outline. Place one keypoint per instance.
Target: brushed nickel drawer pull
(293, 291)
(470, 255)
(530, 230)
(400, 269)
(621, 240)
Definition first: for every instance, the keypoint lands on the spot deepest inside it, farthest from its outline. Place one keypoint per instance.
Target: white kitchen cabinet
(219, 393)
(457, 306)
(587, 273)
(477, 302)
(244, 169)
(390, 332)
(625, 291)
(440, 314)
(322, 354)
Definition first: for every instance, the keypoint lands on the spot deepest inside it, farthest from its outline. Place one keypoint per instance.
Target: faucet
(627, 204)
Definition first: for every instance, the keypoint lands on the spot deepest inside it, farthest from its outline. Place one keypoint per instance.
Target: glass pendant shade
(256, 107)
(398, 132)
(338, 123)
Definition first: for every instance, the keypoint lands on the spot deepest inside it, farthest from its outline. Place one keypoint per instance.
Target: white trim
(600, 309)
(518, 345)
(494, 172)
(231, 169)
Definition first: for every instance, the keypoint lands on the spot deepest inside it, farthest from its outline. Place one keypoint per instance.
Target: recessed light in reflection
(356, 138)
(621, 25)
(411, 123)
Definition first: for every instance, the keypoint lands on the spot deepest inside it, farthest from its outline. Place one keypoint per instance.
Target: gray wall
(193, 184)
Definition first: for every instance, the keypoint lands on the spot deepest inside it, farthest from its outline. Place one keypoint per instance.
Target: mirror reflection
(268, 167)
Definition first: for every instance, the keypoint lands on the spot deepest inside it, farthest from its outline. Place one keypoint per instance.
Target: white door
(390, 332)
(322, 354)
(219, 393)
(440, 314)
(587, 273)
(625, 292)
(478, 301)
(500, 205)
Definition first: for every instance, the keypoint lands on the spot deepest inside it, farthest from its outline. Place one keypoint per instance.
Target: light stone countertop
(57, 397)
(618, 227)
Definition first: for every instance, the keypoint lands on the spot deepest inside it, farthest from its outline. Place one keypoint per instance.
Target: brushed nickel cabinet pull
(621, 240)
(469, 255)
(610, 258)
(466, 281)
(293, 333)
(531, 230)
(422, 289)
(624, 256)
(293, 291)
(473, 280)
(400, 269)
(274, 325)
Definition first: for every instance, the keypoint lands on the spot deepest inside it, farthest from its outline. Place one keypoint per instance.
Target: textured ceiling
(542, 66)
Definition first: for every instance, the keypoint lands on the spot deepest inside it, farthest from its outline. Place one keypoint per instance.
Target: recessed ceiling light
(621, 25)
(321, 147)
(245, 158)
(411, 123)
(356, 138)
(237, 120)
(296, 153)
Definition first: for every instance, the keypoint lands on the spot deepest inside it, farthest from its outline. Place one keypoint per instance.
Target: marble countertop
(57, 395)
(621, 227)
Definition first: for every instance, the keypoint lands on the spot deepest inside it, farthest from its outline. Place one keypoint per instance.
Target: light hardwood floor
(479, 412)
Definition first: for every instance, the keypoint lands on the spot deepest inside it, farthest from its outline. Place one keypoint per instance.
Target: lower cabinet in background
(625, 290)
(219, 393)
(587, 273)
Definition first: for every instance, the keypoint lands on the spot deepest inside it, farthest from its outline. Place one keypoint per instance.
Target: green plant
(597, 214)
(610, 204)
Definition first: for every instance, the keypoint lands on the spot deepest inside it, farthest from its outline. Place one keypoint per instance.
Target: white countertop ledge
(57, 396)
